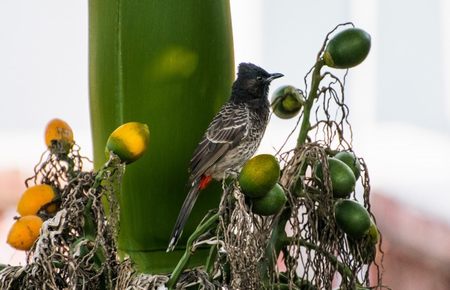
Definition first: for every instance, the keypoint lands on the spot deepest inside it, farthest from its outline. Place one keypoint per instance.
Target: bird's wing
(225, 131)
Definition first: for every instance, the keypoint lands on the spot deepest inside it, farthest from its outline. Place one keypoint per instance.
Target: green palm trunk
(168, 64)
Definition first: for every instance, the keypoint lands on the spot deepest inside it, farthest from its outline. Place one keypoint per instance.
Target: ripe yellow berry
(129, 141)
(36, 197)
(59, 131)
(24, 232)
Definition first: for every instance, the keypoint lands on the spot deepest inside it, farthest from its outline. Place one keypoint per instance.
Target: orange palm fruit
(24, 232)
(59, 131)
(36, 197)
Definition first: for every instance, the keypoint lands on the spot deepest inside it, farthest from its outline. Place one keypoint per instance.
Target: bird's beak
(274, 76)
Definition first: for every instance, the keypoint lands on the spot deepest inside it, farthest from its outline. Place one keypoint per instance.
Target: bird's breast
(235, 158)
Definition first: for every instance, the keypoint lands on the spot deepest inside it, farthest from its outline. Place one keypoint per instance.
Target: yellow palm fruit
(59, 131)
(129, 141)
(24, 232)
(36, 197)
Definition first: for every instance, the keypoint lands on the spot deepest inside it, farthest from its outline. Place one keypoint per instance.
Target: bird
(231, 138)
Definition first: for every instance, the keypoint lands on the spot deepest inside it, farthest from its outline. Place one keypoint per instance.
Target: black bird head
(252, 83)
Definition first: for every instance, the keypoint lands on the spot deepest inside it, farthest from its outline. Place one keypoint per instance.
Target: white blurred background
(399, 98)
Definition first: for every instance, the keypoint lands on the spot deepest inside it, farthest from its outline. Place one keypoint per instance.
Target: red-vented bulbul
(231, 138)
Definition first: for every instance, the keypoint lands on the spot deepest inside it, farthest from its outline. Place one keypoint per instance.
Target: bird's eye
(259, 78)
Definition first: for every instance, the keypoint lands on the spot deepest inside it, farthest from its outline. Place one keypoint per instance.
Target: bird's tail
(186, 209)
